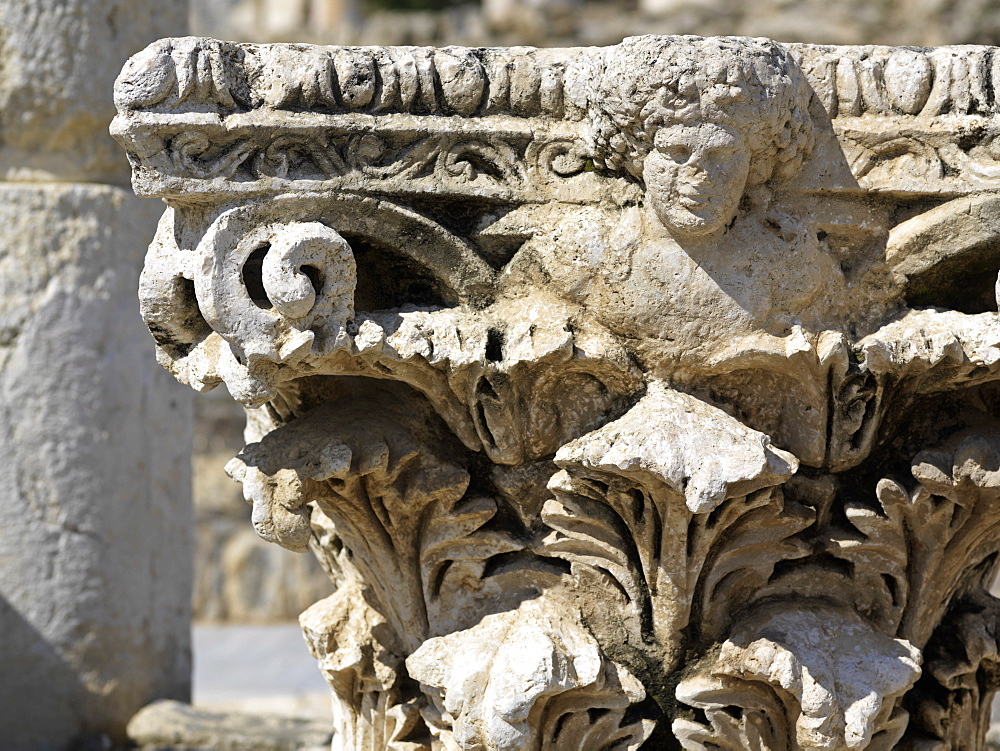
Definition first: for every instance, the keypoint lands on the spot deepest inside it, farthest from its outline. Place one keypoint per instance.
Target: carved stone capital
(628, 394)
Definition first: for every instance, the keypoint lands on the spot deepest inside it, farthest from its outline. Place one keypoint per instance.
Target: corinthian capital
(628, 394)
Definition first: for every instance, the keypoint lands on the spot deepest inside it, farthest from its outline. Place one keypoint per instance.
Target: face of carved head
(664, 99)
(695, 176)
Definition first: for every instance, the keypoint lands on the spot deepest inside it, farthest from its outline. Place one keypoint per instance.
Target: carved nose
(693, 175)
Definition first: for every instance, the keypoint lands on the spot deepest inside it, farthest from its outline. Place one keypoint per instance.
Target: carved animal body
(627, 394)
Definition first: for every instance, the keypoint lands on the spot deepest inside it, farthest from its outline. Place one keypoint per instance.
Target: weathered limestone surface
(95, 518)
(95, 545)
(58, 59)
(631, 396)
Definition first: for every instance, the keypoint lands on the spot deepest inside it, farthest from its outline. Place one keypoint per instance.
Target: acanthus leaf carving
(819, 678)
(405, 516)
(925, 538)
(528, 676)
(375, 711)
(672, 540)
(960, 675)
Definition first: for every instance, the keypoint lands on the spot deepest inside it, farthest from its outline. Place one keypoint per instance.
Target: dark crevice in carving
(966, 283)
(560, 723)
(494, 345)
(521, 560)
(315, 278)
(638, 504)
(184, 326)
(253, 277)
(890, 585)
(387, 279)
(662, 737)
(483, 426)
(468, 218)
(822, 561)
(485, 389)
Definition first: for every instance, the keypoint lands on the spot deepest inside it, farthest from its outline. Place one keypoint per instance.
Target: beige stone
(631, 396)
(57, 61)
(177, 726)
(95, 516)
(95, 544)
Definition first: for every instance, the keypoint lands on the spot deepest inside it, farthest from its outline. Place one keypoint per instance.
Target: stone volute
(632, 396)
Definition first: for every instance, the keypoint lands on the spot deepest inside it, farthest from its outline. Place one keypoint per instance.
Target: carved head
(699, 122)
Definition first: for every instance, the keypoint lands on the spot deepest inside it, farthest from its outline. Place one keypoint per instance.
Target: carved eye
(676, 152)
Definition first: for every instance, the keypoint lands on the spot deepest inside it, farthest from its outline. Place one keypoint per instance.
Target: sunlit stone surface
(627, 394)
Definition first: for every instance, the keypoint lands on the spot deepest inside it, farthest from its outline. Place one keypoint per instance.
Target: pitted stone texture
(57, 61)
(95, 544)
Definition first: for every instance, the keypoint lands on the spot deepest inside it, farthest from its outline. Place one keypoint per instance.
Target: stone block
(58, 59)
(95, 540)
(180, 727)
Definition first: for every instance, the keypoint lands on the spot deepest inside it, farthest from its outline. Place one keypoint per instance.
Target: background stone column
(95, 512)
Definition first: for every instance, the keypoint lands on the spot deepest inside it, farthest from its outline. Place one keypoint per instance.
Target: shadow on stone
(40, 692)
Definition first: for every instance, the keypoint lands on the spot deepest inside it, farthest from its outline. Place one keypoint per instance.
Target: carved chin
(697, 222)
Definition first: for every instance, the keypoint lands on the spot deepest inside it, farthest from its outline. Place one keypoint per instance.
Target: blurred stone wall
(238, 577)
(598, 22)
(95, 438)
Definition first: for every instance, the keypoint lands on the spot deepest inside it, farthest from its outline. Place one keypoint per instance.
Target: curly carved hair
(751, 84)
